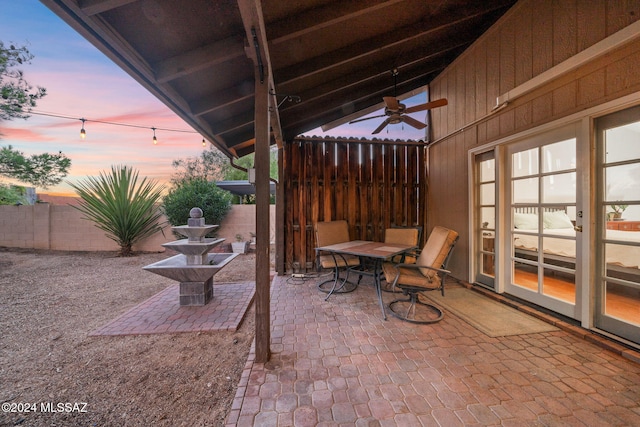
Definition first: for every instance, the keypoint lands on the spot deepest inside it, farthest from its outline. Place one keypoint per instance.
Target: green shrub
(10, 195)
(214, 202)
(125, 209)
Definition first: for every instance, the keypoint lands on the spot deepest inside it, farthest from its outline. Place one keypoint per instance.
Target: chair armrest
(415, 266)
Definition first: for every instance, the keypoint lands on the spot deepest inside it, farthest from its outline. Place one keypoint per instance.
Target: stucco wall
(57, 227)
(531, 38)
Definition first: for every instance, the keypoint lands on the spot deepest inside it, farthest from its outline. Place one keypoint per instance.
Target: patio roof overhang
(242, 188)
(327, 61)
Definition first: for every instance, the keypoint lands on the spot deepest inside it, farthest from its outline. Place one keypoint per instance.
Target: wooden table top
(367, 248)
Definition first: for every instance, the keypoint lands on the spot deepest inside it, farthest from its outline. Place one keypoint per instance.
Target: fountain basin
(194, 232)
(176, 267)
(196, 252)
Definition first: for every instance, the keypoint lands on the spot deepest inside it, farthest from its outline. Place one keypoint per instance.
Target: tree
(213, 165)
(39, 170)
(214, 201)
(246, 162)
(125, 210)
(17, 97)
(210, 166)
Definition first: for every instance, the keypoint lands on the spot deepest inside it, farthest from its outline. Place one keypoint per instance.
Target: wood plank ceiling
(330, 60)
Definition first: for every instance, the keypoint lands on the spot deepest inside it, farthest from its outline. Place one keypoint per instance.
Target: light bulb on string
(155, 140)
(83, 133)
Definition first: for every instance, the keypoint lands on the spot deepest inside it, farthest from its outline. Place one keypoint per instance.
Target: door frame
(585, 118)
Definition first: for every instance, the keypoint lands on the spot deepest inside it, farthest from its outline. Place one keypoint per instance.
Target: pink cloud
(23, 134)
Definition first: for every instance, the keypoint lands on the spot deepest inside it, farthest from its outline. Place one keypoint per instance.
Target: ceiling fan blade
(367, 118)
(413, 122)
(391, 103)
(426, 106)
(382, 126)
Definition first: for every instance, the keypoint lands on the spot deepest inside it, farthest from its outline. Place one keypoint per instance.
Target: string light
(83, 133)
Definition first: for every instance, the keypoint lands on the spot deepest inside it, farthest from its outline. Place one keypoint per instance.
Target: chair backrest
(405, 236)
(402, 235)
(332, 232)
(437, 251)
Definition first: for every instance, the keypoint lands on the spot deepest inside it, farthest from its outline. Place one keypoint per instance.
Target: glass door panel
(485, 218)
(618, 221)
(542, 175)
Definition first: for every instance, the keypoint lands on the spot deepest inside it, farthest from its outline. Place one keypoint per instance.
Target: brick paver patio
(162, 312)
(337, 363)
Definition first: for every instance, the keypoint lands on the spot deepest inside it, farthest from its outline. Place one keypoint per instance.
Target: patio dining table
(377, 252)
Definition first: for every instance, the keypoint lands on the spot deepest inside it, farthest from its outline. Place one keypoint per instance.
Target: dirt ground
(51, 301)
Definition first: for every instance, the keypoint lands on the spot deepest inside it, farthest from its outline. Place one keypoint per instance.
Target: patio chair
(428, 273)
(331, 233)
(405, 236)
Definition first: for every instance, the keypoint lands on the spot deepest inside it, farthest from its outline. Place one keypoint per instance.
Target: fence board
(371, 185)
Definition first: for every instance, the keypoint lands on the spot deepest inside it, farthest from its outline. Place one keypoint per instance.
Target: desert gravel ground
(49, 304)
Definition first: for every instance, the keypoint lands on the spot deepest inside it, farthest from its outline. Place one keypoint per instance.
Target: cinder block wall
(16, 226)
(242, 219)
(57, 227)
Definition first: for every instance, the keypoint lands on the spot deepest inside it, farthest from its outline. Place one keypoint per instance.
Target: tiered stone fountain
(194, 267)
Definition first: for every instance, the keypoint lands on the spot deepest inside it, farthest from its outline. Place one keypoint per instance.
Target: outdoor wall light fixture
(155, 140)
(204, 144)
(83, 133)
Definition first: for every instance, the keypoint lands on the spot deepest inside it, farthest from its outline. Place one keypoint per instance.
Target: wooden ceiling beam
(212, 102)
(94, 7)
(325, 63)
(318, 18)
(199, 59)
(415, 63)
(232, 124)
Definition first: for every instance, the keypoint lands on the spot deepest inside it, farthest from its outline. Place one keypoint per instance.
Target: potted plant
(239, 246)
(616, 215)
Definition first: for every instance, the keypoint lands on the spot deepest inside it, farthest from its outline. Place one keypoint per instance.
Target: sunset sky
(83, 83)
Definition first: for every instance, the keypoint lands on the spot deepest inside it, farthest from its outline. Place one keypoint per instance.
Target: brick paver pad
(162, 312)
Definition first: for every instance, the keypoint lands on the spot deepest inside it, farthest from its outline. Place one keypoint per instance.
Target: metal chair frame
(412, 292)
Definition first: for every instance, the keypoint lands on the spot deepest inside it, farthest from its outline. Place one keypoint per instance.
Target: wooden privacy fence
(371, 184)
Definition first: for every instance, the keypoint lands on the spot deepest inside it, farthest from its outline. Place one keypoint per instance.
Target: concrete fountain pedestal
(194, 267)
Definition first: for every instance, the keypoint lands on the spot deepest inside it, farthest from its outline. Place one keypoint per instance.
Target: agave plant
(125, 209)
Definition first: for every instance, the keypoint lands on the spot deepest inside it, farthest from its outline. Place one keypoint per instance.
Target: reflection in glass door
(485, 229)
(543, 188)
(618, 222)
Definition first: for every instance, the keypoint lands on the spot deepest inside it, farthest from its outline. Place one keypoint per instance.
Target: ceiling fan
(396, 112)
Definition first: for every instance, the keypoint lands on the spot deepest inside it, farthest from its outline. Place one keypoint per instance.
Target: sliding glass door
(617, 296)
(543, 220)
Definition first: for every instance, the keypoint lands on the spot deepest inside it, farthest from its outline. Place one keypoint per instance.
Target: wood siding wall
(371, 185)
(531, 38)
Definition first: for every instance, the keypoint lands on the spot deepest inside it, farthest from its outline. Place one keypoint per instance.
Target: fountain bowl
(192, 248)
(194, 232)
(176, 267)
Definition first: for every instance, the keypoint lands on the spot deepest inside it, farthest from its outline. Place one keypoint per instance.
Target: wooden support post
(280, 217)
(261, 159)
